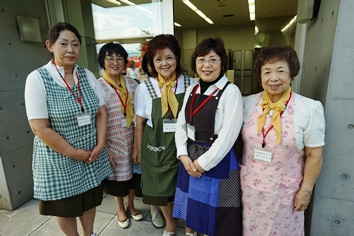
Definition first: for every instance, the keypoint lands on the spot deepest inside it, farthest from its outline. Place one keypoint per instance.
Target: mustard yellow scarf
(277, 108)
(123, 92)
(168, 98)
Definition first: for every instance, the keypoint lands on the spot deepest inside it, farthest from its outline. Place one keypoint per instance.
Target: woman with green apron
(158, 101)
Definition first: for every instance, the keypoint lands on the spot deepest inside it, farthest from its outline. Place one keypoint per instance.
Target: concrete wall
(17, 60)
(330, 61)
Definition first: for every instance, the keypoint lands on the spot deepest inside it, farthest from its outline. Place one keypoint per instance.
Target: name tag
(191, 132)
(169, 126)
(83, 119)
(124, 123)
(262, 155)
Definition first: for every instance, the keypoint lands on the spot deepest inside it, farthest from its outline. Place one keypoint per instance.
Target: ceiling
(271, 15)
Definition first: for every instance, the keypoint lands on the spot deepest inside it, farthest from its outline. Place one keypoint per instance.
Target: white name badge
(169, 125)
(83, 119)
(191, 132)
(262, 155)
(124, 122)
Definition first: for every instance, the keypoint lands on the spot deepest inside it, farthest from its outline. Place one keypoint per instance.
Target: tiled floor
(27, 221)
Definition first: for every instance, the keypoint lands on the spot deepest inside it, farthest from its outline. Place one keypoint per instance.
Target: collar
(220, 84)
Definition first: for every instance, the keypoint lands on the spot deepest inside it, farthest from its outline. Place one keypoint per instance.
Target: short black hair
(109, 49)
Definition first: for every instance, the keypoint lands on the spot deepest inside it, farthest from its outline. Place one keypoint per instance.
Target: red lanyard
(271, 127)
(192, 113)
(120, 98)
(78, 99)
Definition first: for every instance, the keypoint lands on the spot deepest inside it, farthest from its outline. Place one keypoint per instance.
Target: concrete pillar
(79, 14)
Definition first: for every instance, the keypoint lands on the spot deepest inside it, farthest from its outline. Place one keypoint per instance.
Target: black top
(205, 85)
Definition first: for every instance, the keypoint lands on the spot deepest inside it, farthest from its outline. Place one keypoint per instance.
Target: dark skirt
(118, 188)
(211, 204)
(137, 185)
(73, 206)
(157, 201)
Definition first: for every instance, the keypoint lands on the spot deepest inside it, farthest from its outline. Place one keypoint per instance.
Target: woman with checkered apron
(65, 109)
(119, 96)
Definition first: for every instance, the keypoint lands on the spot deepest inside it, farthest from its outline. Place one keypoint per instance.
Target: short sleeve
(139, 101)
(35, 97)
(314, 132)
(248, 105)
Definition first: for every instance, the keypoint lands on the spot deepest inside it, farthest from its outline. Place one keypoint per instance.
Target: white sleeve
(231, 126)
(314, 132)
(35, 97)
(139, 101)
(181, 126)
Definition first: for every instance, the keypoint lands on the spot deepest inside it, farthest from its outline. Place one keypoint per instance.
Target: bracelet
(305, 189)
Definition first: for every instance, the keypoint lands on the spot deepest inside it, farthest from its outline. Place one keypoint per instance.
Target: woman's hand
(81, 155)
(136, 156)
(111, 158)
(189, 166)
(199, 168)
(302, 200)
(312, 170)
(138, 136)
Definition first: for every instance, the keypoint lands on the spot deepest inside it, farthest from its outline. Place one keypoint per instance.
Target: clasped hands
(192, 167)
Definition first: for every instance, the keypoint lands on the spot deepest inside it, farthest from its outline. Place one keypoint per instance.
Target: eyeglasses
(211, 61)
(111, 60)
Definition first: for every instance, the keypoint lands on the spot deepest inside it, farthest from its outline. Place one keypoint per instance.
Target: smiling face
(275, 79)
(165, 63)
(209, 66)
(66, 49)
(114, 65)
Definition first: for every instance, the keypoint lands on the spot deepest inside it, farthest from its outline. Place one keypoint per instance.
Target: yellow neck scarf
(168, 98)
(123, 92)
(277, 107)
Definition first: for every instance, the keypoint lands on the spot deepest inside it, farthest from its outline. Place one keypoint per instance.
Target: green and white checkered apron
(57, 176)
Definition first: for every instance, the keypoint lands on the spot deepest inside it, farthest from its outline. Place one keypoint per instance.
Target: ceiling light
(256, 30)
(114, 2)
(252, 9)
(196, 10)
(291, 23)
(128, 2)
(176, 24)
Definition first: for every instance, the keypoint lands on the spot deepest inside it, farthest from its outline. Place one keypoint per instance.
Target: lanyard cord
(79, 98)
(192, 113)
(120, 98)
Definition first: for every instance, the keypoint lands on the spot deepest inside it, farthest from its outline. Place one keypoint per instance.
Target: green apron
(158, 151)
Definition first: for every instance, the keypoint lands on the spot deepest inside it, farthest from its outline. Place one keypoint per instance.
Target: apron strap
(150, 88)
